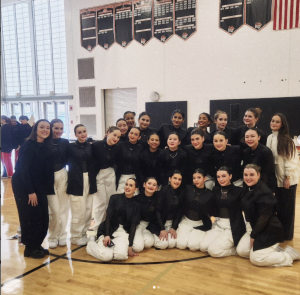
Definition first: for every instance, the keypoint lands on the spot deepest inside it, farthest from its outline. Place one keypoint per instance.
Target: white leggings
(163, 244)
(122, 182)
(59, 206)
(143, 238)
(218, 242)
(188, 236)
(117, 252)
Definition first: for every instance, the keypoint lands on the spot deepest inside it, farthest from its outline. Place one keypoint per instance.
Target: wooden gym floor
(70, 270)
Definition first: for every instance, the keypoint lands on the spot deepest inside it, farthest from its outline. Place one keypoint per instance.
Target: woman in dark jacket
(264, 230)
(81, 185)
(25, 129)
(31, 183)
(6, 145)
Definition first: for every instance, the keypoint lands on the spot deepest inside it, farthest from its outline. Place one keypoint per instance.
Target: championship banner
(258, 13)
(88, 28)
(142, 21)
(105, 26)
(123, 23)
(286, 14)
(231, 15)
(185, 18)
(163, 19)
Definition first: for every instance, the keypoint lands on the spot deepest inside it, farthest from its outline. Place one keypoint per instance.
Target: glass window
(50, 111)
(27, 109)
(17, 110)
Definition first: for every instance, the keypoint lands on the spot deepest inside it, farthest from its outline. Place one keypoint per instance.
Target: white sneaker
(62, 243)
(52, 245)
(83, 241)
(279, 249)
(294, 254)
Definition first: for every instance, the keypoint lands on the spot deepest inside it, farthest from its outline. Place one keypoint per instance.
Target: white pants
(81, 209)
(118, 252)
(163, 244)
(187, 236)
(106, 187)
(218, 242)
(243, 247)
(143, 238)
(122, 183)
(59, 205)
(210, 182)
(239, 183)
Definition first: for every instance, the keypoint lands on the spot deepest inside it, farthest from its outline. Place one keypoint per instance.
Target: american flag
(286, 14)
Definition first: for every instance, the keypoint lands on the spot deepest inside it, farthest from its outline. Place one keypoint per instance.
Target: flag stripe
(286, 14)
(297, 14)
(292, 14)
(280, 14)
(275, 15)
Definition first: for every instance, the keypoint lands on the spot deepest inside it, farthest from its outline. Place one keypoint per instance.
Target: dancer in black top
(6, 146)
(264, 230)
(116, 234)
(260, 155)
(31, 183)
(221, 120)
(130, 118)
(144, 122)
(169, 211)
(178, 117)
(25, 129)
(199, 156)
(251, 117)
(230, 226)
(197, 206)
(173, 157)
(81, 185)
(122, 125)
(150, 164)
(15, 136)
(105, 154)
(58, 201)
(228, 156)
(143, 237)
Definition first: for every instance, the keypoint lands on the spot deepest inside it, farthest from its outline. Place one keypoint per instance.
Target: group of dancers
(161, 188)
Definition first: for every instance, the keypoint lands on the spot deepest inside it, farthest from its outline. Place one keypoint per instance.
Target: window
(34, 60)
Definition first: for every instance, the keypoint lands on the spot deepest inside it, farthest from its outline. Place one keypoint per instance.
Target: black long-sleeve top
(144, 135)
(6, 138)
(198, 204)
(24, 132)
(231, 133)
(105, 155)
(207, 137)
(232, 205)
(173, 160)
(80, 160)
(166, 129)
(169, 206)
(230, 157)
(34, 169)
(198, 159)
(124, 211)
(147, 207)
(262, 156)
(16, 141)
(60, 153)
(241, 130)
(259, 205)
(151, 166)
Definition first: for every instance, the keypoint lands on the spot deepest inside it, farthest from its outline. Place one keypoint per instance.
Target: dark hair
(33, 135)
(221, 133)
(121, 119)
(226, 168)
(253, 166)
(198, 131)
(7, 120)
(77, 126)
(128, 112)
(112, 129)
(208, 117)
(200, 171)
(134, 127)
(256, 112)
(23, 118)
(179, 111)
(285, 145)
(13, 117)
(150, 177)
(135, 181)
(258, 131)
(175, 133)
(218, 113)
(144, 114)
(175, 171)
(152, 133)
(55, 121)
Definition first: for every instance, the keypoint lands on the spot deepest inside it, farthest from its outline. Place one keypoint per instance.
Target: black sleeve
(159, 209)
(268, 164)
(135, 221)
(109, 216)
(179, 212)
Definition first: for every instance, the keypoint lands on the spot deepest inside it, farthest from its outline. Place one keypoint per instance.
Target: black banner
(163, 19)
(231, 15)
(105, 22)
(185, 18)
(123, 23)
(142, 21)
(258, 13)
(88, 28)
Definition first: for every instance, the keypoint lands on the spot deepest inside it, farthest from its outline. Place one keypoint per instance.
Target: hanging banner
(105, 26)
(88, 28)
(185, 18)
(258, 13)
(123, 23)
(231, 15)
(142, 21)
(163, 19)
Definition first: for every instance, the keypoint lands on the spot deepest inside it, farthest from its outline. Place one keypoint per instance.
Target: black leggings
(286, 199)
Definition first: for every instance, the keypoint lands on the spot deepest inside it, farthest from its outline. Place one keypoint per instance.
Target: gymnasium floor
(69, 270)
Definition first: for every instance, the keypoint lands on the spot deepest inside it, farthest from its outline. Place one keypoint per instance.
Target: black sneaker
(34, 253)
(46, 251)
